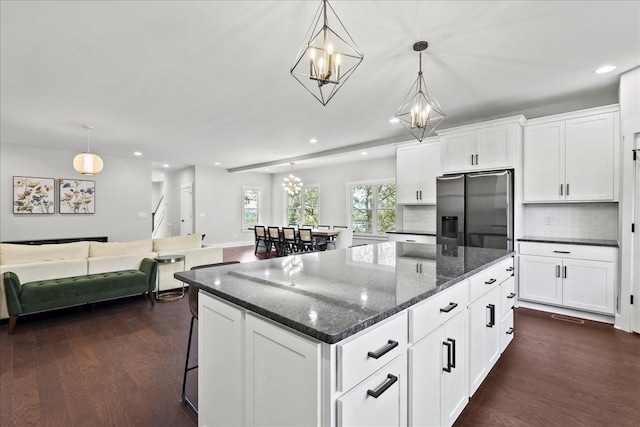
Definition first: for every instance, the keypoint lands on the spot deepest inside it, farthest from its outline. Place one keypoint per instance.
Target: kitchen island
(345, 337)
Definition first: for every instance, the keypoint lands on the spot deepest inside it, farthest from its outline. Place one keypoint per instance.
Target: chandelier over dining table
(292, 184)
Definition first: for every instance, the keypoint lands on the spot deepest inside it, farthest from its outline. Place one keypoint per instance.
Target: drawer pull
(490, 282)
(448, 308)
(510, 331)
(509, 269)
(492, 315)
(410, 240)
(391, 380)
(449, 356)
(561, 252)
(391, 344)
(511, 295)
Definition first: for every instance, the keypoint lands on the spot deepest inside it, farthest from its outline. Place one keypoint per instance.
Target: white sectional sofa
(43, 262)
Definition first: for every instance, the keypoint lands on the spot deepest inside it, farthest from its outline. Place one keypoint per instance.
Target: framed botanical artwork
(77, 196)
(33, 195)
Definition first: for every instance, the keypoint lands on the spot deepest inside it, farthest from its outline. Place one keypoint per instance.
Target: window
(303, 207)
(373, 208)
(251, 207)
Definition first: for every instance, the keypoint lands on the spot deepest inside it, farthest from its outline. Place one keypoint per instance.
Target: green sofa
(63, 292)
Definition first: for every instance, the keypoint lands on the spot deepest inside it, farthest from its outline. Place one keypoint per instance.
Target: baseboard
(567, 312)
(230, 244)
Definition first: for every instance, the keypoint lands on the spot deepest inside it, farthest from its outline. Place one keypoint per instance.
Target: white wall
(218, 204)
(123, 190)
(630, 102)
(332, 181)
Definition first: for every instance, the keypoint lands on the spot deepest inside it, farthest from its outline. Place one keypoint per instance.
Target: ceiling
(208, 82)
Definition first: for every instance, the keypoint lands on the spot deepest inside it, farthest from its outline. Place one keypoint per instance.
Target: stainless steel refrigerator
(475, 209)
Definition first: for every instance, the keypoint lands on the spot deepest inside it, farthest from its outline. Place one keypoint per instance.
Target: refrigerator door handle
(449, 177)
(480, 174)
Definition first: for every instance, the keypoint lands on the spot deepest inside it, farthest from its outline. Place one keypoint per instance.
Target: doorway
(635, 308)
(186, 209)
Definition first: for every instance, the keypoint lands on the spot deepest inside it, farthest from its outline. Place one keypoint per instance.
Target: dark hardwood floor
(120, 363)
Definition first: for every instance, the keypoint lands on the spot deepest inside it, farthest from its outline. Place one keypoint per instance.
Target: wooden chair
(260, 234)
(290, 239)
(275, 240)
(305, 240)
(323, 227)
(193, 307)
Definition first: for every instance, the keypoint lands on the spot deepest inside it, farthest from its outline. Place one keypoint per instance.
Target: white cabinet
(417, 167)
(482, 146)
(412, 238)
(571, 157)
(438, 386)
(484, 337)
(579, 277)
(281, 370)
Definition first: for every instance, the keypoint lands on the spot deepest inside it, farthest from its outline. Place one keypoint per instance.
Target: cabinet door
(494, 147)
(219, 363)
(484, 337)
(589, 158)
(588, 285)
(358, 408)
(457, 151)
(425, 373)
(454, 387)
(544, 162)
(492, 332)
(540, 279)
(282, 372)
(408, 174)
(431, 168)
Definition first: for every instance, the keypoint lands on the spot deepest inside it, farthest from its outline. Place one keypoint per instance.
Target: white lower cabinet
(484, 337)
(579, 277)
(412, 238)
(438, 387)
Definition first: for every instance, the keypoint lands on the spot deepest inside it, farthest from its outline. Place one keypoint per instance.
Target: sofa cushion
(25, 254)
(177, 243)
(117, 263)
(120, 248)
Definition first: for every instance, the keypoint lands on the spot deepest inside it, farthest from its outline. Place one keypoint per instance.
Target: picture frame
(33, 195)
(76, 196)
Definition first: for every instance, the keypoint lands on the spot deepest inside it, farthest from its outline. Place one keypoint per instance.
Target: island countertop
(334, 294)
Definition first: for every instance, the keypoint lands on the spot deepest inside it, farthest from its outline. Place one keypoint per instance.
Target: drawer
(379, 400)
(507, 330)
(596, 253)
(427, 315)
(484, 281)
(364, 353)
(507, 269)
(508, 294)
(415, 238)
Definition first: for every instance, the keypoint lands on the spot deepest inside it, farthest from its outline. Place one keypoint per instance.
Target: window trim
(260, 191)
(349, 206)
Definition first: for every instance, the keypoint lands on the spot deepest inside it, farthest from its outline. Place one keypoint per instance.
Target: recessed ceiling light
(313, 141)
(165, 165)
(605, 69)
(364, 153)
(394, 120)
(216, 163)
(137, 153)
(266, 169)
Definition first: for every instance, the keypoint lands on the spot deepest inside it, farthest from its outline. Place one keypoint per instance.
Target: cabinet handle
(472, 159)
(420, 194)
(453, 351)
(561, 252)
(417, 195)
(420, 268)
(492, 315)
(391, 344)
(567, 189)
(511, 295)
(557, 271)
(448, 308)
(509, 269)
(410, 240)
(564, 272)
(477, 160)
(561, 190)
(391, 380)
(510, 331)
(448, 345)
(490, 282)
(417, 268)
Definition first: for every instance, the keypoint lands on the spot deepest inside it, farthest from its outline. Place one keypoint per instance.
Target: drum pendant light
(88, 163)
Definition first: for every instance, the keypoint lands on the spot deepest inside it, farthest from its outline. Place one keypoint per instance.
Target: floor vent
(567, 319)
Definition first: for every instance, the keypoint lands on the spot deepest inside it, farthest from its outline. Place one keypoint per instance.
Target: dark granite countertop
(570, 241)
(416, 232)
(334, 294)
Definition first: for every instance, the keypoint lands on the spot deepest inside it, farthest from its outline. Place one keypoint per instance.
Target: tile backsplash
(418, 218)
(577, 220)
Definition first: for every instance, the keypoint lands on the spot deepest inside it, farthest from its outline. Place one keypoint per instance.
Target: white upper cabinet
(572, 157)
(483, 146)
(417, 167)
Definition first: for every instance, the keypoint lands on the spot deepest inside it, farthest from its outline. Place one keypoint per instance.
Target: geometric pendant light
(87, 163)
(328, 56)
(420, 113)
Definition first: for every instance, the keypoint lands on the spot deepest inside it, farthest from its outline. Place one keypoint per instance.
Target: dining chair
(290, 239)
(305, 240)
(323, 227)
(275, 239)
(260, 234)
(339, 226)
(193, 308)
